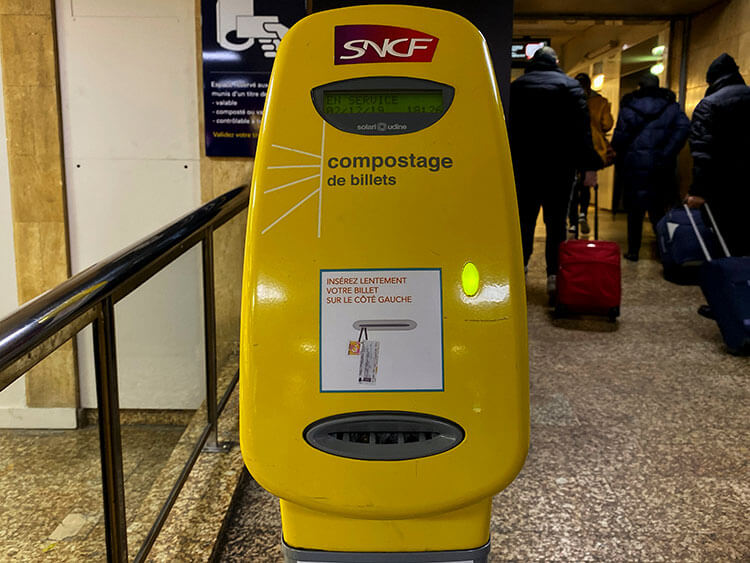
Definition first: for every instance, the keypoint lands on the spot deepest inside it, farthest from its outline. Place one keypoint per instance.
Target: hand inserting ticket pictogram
(369, 350)
(237, 27)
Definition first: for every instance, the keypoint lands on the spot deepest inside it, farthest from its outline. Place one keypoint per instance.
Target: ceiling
(555, 27)
(622, 8)
(559, 31)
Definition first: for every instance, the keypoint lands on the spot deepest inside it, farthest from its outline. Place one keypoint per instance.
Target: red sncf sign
(381, 44)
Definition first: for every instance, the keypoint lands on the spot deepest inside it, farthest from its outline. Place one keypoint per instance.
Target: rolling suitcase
(588, 278)
(679, 249)
(725, 283)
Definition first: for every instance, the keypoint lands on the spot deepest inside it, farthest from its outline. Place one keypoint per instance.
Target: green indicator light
(470, 279)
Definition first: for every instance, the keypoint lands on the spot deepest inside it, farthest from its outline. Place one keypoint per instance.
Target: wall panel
(130, 123)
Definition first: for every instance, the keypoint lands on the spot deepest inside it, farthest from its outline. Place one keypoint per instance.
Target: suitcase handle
(716, 229)
(596, 212)
(596, 208)
(698, 234)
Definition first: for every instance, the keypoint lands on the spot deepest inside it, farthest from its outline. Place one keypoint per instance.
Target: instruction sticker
(381, 330)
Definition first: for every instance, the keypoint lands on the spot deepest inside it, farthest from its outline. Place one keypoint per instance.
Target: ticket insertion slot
(385, 324)
(384, 436)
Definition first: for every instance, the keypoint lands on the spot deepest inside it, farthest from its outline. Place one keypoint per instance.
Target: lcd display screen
(383, 101)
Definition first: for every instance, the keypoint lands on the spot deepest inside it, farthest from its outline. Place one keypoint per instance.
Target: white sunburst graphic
(319, 175)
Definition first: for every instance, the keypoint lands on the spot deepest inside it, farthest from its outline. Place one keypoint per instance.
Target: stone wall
(32, 114)
(723, 28)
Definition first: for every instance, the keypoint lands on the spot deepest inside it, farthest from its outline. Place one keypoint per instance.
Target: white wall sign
(381, 330)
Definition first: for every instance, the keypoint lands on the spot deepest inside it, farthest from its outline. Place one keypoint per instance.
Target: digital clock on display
(383, 101)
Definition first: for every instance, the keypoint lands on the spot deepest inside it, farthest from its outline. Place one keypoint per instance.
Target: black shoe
(631, 256)
(705, 311)
(585, 229)
(552, 289)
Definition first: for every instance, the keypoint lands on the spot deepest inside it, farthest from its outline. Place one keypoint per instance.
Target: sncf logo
(381, 44)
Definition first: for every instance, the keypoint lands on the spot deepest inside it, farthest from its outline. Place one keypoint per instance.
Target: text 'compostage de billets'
(369, 170)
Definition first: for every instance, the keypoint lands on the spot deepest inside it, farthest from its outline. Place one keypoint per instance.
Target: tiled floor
(50, 482)
(640, 437)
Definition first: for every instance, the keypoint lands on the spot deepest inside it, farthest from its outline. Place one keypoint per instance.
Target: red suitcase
(588, 279)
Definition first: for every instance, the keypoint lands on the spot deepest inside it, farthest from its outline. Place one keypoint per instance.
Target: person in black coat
(651, 129)
(550, 138)
(719, 144)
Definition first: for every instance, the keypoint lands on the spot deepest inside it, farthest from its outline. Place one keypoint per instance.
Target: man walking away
(550, 138)
(651, 129)
(600, 111)
(718, 142)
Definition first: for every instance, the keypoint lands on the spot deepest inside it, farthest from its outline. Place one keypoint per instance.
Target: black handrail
(42, 325)
(116, 276)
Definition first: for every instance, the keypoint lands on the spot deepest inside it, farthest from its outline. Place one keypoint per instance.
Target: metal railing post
(209, 323)
(110, 443)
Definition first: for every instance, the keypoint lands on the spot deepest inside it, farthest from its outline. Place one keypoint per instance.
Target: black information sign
(240, 41)
(524, 48)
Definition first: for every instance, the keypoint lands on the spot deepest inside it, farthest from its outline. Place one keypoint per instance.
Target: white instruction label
(381, 330)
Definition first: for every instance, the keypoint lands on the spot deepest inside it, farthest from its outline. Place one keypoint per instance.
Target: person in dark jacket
(651, 129)
(550, 138)
(719, 144)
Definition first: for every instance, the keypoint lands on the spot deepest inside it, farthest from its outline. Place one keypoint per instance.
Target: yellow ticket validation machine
(384, 368)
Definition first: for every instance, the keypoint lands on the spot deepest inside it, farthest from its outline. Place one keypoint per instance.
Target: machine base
(333, 533)
(478, 555)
